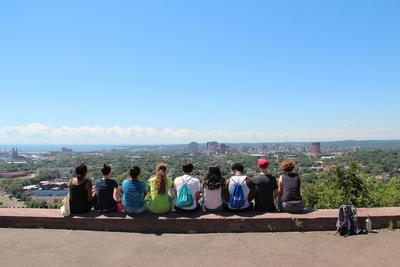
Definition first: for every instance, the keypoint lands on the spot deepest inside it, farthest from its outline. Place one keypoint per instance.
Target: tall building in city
(193, 148)
(212, 147)
(223, 148)
(316, 149)
(14, 153)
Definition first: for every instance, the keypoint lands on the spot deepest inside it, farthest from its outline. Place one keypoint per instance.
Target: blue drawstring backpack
(236, 197)
(185, 198)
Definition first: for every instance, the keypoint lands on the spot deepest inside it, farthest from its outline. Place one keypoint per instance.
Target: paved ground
(39, 247)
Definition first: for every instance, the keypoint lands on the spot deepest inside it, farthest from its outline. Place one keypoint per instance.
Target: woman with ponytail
(158, 199)
(80, 191)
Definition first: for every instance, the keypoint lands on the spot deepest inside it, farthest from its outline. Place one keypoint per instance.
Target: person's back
(291, 187)
(212, 188)
(239, 181)
(265, 185)
(105, 195)
(213, 200)
(187, 190)
(158, 202)
(133, 193)
(79, 200)
(80, 191)
(193, 184)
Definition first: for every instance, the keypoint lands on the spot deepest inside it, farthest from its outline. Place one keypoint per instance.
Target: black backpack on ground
(347, 223)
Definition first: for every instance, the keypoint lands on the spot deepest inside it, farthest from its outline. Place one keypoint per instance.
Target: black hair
(81, 171)
(187, 167)
(134, 171)
(106, 169)
(213, 179)
(237, 167)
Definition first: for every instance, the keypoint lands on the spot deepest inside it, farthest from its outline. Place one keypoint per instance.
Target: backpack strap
(183, 180)
(244, 180)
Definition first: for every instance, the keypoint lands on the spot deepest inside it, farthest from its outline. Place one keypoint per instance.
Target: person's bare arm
(280, 188)
(275, 193)
(89, 189)
(251, 186)
(226, 190)
(174, 189)
(117, 194)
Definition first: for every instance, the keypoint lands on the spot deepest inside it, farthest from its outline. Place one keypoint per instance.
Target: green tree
(350, 182)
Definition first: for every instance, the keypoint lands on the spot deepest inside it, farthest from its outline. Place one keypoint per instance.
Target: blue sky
(175, 71)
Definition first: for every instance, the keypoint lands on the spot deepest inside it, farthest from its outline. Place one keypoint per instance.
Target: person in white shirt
(193, 185)
(247, 186)
(213, 186)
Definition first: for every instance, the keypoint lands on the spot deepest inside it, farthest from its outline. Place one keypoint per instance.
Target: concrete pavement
(39, 247)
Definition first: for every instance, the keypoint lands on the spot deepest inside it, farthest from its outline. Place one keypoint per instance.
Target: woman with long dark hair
(158, 199)
(80, 191)
(213, 186)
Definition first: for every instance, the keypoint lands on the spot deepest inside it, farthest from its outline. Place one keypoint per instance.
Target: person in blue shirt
(134, 192)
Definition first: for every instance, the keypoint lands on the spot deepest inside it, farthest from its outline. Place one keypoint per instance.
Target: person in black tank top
(80, 191)
(289, 186)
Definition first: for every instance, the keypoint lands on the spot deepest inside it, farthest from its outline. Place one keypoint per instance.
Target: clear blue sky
(286, 70)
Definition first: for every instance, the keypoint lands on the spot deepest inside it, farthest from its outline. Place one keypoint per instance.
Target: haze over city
(173, 72)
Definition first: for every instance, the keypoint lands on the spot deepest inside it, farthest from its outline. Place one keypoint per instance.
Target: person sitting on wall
(289, 184)
(133, 192)
(265, 188)
(239, 190)
(80, 191)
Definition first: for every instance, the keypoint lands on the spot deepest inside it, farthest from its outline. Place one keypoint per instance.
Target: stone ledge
(318, 220)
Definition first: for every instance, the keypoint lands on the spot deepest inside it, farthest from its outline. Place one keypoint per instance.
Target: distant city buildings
(212, 147)
(14, 153)
(215, 148)
(223, 148)
(193, 148)
(316, 149)
(16, 157)
(66, 150)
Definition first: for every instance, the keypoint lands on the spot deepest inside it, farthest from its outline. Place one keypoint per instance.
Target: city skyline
(171, 73)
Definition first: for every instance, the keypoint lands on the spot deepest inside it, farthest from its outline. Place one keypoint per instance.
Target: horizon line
(168, 144)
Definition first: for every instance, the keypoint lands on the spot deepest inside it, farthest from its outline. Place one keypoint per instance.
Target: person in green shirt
(158, 200)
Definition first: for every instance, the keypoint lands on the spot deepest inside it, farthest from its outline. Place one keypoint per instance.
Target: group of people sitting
(187, 194)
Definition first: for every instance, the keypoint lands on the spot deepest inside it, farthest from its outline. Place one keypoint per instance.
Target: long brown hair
(161, 178)
(213, 179)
